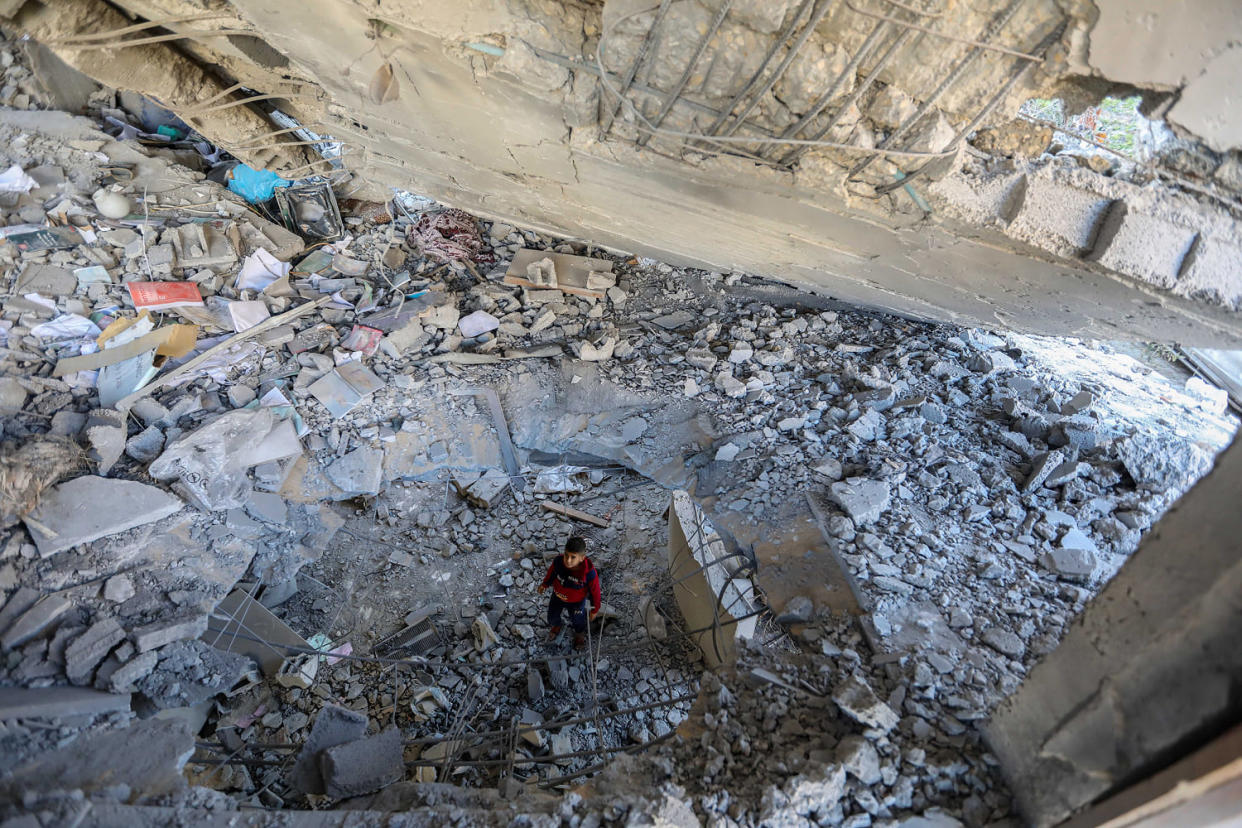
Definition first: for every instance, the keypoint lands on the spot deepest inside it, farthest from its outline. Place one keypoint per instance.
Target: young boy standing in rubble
(573, 579)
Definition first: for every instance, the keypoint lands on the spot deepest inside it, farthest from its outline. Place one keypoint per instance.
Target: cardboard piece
(572, 272)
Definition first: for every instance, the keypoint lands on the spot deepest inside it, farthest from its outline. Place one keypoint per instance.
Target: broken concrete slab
(46, 280)
(858, 701)
(360, 472)
(55, 702)
(333, 726)
(88, 508)
(864, 500)
(363, 766)
(86, 651)
(159, 633)
(240, 613)
(41, 615)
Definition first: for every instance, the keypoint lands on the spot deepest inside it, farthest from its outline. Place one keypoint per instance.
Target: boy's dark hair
(576, 544)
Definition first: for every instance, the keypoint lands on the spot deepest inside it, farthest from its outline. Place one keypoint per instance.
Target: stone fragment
(862, 499)
(701, 358)
(477, 324)
(35, 620)
(125, 678)
(363, 766)
(17, 604)
(818, 788)
(595, 352)
(146, 445)
(558, 672)
(333, 726)
(730, 386)
(56, 702)
(88, 508)
(105, 433)
(1041, 468)
(85, 652)
(797, 610)
(534, 684)
(830, 468)
(12, 395)
(857, 700)
(991, 362)
(859, 758)
(360, 472)
(728, 452)
(1004, 642)
(651, 619)
(159, 633)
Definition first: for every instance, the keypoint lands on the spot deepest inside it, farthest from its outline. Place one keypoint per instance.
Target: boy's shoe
(579, 641)
(553, 632)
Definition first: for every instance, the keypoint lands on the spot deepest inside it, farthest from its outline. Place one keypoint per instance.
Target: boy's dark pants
(577, 613)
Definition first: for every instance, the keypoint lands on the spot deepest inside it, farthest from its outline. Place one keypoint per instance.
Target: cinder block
(1056, 217)
(1141, 245)
(1213, 267)
(333, 726)
(364, 766)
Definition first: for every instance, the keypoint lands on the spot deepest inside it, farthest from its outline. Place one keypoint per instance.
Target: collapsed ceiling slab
(511, 110)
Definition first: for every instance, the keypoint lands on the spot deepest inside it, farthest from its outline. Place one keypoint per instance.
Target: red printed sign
(160, 295)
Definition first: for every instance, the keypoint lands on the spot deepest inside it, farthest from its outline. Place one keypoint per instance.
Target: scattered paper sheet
(13, 180)
(247, 314)
(260, 269)
(66, 326)
(95, 274)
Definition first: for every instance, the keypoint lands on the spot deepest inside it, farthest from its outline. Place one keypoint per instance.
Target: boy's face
(572, 559)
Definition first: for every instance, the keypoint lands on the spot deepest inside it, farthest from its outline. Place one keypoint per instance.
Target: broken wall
(499, 108)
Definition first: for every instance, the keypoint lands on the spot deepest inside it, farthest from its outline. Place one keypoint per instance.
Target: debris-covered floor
(275, 512)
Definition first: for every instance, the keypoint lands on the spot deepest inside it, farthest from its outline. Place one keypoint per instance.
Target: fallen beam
(570, 512)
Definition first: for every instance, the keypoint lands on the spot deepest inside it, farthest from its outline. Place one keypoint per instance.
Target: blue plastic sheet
(255, 185)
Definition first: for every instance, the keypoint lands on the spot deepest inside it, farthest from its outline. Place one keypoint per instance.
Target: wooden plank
(126, 403)
(518, 281)
(570, 512)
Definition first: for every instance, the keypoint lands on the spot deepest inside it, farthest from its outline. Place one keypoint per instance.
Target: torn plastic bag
(571, 479)
(255, 186)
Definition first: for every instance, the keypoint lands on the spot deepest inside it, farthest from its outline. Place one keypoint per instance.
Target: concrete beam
(1146, 673)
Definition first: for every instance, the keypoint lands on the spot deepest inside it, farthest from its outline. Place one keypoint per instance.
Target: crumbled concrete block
(360, 472)
(35, 620)
(125, 677)
(797, 610)
(558, 672)
(269, 507)
(363, 766)
(159, 633)
(12, 395)
(1211, 268)
(118, 588)
(859, 758)
(1057, 217)
(333, 726)
(1004, 642)
(857, 700)
(862, 499)
(1141, 245)
(1041, 468)
(485, 492)
(534, 684)
(86, 651)
(105, 432)
(55, 702)
(146, 445)
(65, 423)
(20, 601)
(88, 508)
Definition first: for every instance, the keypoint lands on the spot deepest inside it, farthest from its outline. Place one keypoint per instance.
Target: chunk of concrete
(47, 280)
(88, 508)
(534, 684)
(54, 702)
(363, 766)
(857, 700)
(1141, 245)
(35, 620)
(21, 601)
(105, 432)
(86, 651)
(859, 758)
(146, 445)
(159, 633)
(1042, 468)
(360, 472)
(862, 499)
(333, 726)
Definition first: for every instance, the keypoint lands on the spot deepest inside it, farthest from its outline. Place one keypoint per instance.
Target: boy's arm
(595, 595)
(547, 579)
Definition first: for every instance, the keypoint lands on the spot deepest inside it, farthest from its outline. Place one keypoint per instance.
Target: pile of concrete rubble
(190, 397)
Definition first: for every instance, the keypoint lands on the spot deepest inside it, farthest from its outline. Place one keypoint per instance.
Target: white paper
(260, 269)
(66, 326)
(13, 180)
(40, 300)
(247, 314)
(92, 275)
(274, 397)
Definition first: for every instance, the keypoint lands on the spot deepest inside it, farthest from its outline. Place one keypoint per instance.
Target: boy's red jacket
(573, 585)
